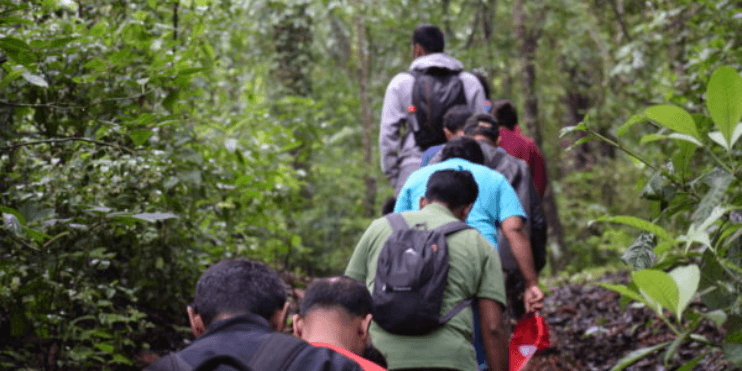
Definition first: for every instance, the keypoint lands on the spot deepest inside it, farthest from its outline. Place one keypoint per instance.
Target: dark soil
(589, 330)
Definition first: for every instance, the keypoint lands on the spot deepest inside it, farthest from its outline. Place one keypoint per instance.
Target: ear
(449, 135)
(418, 51)
(423, 202)
(462, 212)
(365, 324)
(497, 142)
(298, 323)
(278, 319)
(197, 323)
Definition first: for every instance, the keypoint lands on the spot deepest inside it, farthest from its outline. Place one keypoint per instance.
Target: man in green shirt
(475, 271)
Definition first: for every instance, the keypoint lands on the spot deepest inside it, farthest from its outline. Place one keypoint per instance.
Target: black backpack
(411, 277)
(276, 353)
(435, 90)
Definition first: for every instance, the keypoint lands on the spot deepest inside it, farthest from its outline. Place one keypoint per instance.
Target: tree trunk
(366, 118)
(527, 38)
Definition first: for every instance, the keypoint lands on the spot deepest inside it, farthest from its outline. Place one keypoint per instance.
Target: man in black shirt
(238, 313)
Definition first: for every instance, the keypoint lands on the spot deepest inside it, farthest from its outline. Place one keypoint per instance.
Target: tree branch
(19, 241)
(72, 139)
(619, 18)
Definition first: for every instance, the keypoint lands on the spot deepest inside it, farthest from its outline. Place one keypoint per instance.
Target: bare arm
(512, 228)
(494, 335)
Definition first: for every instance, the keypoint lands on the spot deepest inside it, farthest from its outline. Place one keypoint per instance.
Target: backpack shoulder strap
(397, 222)
(279, 349)
(452, 227)
(458, 308)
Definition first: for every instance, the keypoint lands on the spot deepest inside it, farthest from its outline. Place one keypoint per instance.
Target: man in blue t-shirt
(497, 204)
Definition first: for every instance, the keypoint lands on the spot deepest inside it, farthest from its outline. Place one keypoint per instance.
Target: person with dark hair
(518, 145)
(453, 127)
(497, 205)
(335, 313)
(474, 271)
(401, 155)
(238, 313)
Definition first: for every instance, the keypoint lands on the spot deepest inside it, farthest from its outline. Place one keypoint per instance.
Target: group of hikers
(436, 283)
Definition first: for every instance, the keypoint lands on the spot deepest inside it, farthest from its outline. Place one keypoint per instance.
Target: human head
(465, 148)
(427, 39)
(454, 121)
(456, 189)
(335, 310)
(234, 287)
(482, 125)
(505, 114)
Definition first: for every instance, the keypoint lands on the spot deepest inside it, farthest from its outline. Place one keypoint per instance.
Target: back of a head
(505, 114)
(337, 292)
(429, 37)
(455, 188)
(463, 148)
(455, 118)
(239, 286)
(482, 124)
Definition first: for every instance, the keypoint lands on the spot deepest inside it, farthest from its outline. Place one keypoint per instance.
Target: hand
(533, 299)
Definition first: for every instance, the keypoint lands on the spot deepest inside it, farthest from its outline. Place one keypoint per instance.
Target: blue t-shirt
(497, 200)
(429, 153)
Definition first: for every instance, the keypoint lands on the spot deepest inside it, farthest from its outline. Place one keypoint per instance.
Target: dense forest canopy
(141, 141)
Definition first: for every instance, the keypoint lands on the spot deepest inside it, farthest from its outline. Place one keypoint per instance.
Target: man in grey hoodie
(400, 155)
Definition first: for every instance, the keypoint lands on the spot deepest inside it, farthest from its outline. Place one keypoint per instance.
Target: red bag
(531, 335)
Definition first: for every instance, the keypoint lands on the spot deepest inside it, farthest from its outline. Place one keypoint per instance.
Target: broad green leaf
(10, 77)
(718, 138)
(719, 182)
(122, 359)
(624, 290)
(579, 142)
(35, 80)
(11, 223)
(640, 254)
(10, 21)
(687, 279)
(13, 44)
(140, 137)
(674, 118)
(659, 287)
(678, 136)
(724, 100)
(718, 317)
(636, 355)
(638, 223)
(15, 212)
(153, 217)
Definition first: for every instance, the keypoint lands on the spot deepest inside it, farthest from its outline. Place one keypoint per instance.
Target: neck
(329, 327)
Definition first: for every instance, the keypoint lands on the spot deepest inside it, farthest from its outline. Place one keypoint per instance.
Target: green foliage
(696, 229)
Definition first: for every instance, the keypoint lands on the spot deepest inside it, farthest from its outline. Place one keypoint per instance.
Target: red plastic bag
(530, 336)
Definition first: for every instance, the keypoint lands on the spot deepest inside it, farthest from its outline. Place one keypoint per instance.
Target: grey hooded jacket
(397, 151)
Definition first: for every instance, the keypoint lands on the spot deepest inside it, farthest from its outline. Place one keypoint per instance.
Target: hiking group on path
(433, 285)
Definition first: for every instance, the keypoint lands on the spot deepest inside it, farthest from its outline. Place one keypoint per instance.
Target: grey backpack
(411, 277)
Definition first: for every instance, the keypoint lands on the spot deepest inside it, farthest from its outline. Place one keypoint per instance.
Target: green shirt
(475, 271)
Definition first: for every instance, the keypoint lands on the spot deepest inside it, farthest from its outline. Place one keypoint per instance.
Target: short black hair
(455, 188)
(429, 37)
(482, 124)
(505, 114)
(455, 118)
(239, 286)
(465, 148)
(344, 292)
